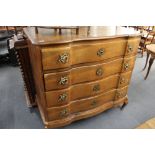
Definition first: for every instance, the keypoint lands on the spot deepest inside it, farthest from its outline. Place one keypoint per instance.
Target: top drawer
(85, 52)
(132, 45)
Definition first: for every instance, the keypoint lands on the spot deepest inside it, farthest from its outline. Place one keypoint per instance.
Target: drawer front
(82, 74)
(98, 51)
(86, 104)
(58, 112)
(77, 53)
(124, 79)
(58, 80)
(128, 64)
(132, 45)
(56, 57)
(62, 97)
(80, 105)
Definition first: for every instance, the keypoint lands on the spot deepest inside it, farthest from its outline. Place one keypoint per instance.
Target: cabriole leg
(147, 57)
(124, 104)
(150, 64)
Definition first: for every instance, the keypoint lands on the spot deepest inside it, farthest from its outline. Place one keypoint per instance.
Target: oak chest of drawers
(80, 75)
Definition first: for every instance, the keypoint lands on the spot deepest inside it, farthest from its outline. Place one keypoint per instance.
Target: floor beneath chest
(15, 114)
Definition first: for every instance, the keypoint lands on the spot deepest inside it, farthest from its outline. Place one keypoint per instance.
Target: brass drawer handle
(122, 80)
(130, 48)
(62, 97)
(63, 113)
(99, 72)
(63, 80)
(63, 58)
(126, 66)
(94, 103)
(96, 88)
(100, 52)
(119, 95)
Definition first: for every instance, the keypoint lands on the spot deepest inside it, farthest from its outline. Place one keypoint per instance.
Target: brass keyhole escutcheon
(96, 88)
(122, 80)
(126, 66)
(99, 72)
(63, 58)
(94, 103)
(100, 52)
(130, 48)
(63, 80)
(119, 95)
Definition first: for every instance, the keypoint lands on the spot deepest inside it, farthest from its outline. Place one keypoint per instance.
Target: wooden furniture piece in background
(146, 39)
(8, 28)
(16, 32)
(5, 34)
(58, 28)
(143, 28)
(19, 29)
(150, 51)
(80, 75)
(23, 58)
(150, 124)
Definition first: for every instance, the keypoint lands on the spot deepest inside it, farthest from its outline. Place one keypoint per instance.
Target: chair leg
(60, 31)
(36, 29)
(150, 64)
(77, 30)
(142, 53)
(147, 57)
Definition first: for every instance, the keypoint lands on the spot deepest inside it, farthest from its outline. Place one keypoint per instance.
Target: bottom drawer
(56, 113)
(89, 103)
(80, 105)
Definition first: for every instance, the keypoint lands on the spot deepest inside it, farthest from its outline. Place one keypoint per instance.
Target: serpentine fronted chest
(80, 75)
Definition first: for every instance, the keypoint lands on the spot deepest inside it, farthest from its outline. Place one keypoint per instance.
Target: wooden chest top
(49, 36)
